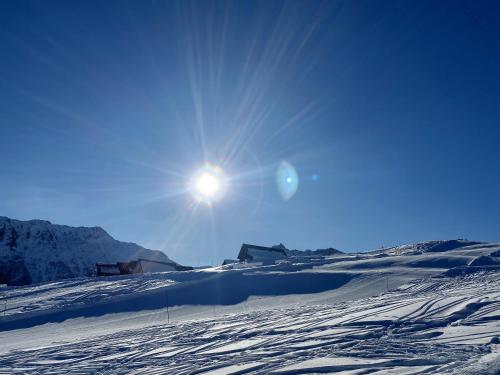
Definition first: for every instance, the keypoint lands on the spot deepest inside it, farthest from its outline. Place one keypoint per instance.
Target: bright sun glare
(209, 184)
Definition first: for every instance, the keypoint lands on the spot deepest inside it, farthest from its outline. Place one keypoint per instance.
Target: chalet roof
(246, 252)
(264, 248)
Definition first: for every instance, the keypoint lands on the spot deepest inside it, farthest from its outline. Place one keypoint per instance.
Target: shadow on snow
(225, 288)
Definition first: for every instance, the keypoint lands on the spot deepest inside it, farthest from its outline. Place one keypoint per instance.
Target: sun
(208, 184)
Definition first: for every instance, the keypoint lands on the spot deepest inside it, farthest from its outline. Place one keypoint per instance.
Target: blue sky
(388, 111)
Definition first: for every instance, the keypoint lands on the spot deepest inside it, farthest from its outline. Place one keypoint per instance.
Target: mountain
(321, 252)
(318, 252)
(36, 250)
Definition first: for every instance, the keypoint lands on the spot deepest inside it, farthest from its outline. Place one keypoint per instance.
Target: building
(103, 269)
(138, 266)
(147, 266)
(265, 255)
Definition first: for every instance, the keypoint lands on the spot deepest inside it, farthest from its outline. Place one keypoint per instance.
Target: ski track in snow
(78, 291)
(428, 326)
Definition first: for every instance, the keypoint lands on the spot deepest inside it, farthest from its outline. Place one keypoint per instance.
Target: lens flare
(287, 180)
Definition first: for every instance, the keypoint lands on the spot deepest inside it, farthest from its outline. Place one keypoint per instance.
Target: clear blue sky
(388, 110)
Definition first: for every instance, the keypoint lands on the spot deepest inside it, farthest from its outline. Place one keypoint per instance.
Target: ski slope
(347, 314)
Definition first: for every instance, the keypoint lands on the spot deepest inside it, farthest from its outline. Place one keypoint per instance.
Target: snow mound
(485, 261)
(427, 247)
(495, 253)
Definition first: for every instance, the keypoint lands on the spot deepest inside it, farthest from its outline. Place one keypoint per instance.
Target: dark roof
(126, 267)
(276, 249)
(243, 255)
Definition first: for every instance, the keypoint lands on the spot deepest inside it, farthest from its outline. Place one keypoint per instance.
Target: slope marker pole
(166, 299)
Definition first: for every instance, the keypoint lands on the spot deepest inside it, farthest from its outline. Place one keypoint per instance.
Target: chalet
(103, 269)
(128, 268)
(265, 255)
(138, 266)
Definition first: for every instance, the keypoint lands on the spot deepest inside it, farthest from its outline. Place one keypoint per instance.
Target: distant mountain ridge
(321, 252)
(36, 250)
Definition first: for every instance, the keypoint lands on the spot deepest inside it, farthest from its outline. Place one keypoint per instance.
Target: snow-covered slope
(34, 251)
(376, 313)
(426, 247)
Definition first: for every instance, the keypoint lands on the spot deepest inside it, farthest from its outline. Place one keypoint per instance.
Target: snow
(36, 251)
(391, 314)
(329, 364)
(57, 295)
(235, 369)
(234, 346)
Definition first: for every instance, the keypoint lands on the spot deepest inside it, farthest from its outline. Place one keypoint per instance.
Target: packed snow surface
(381, 312)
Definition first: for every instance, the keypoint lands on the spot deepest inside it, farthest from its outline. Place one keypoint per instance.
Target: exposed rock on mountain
(34, 251)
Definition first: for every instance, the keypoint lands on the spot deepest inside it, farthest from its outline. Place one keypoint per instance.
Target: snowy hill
(429, 308)
(34, 251)
(426, 247)
(427, 326)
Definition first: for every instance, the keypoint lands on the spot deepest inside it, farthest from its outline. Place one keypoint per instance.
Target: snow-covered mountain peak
(37, 250)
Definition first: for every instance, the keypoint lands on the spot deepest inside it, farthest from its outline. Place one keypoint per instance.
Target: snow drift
(406, 312)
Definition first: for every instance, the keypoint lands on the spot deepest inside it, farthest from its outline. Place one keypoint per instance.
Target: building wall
(264, 256)
(156, 267)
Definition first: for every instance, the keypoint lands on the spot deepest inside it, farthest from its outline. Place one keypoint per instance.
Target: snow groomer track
(440, 325)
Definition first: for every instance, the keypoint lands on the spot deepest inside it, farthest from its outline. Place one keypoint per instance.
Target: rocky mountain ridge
(36, 250)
